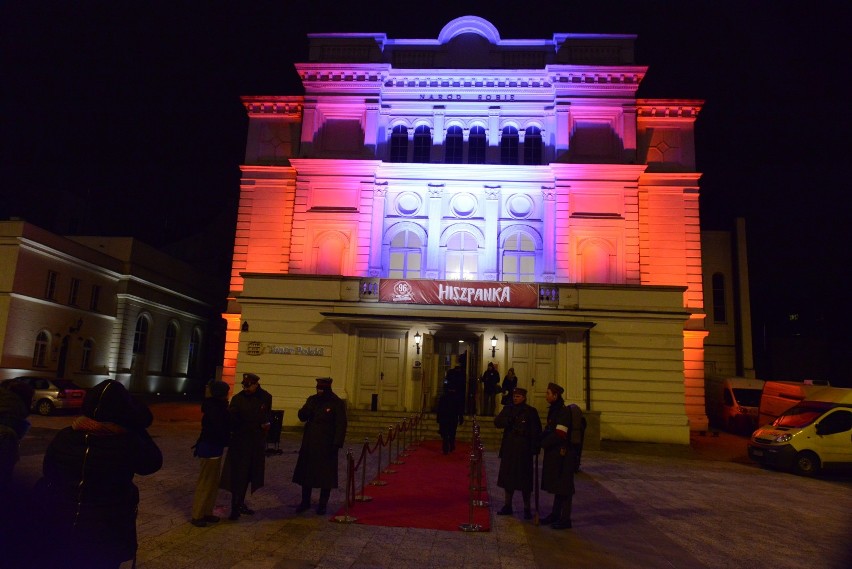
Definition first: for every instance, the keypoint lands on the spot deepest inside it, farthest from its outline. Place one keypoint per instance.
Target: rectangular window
(95, 298)
(50, 288)
(73, 291)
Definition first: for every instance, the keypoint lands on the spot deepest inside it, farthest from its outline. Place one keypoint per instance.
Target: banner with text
(458, 293)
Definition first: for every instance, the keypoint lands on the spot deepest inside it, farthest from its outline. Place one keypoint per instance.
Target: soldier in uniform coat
(324, 415)
(521, 432)
(560, 441)
(245, 463)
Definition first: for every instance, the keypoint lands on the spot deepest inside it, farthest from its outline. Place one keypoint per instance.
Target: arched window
(509, 146)
(462, 257)
(453, 145)
(42, 345)
(169, 349)
(720, 312)
(87, 355)
(532, 146)
(406, 254)
(140, 337)
(422, 144)
(519, 259)
(399, 144)
(194, 352)
(476, 145)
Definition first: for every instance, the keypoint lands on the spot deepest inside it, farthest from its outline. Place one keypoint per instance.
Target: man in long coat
(245, 463)
(560, 440)
(324, 415)
(521, 431)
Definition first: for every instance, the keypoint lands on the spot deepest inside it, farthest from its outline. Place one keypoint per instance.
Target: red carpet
(429, 491)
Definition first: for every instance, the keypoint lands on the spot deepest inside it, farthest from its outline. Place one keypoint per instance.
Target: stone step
(370, 424)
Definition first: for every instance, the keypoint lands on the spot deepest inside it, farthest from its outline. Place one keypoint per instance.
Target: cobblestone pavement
(637, 506)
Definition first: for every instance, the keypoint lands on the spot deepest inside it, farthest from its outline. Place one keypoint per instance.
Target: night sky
(124, 118)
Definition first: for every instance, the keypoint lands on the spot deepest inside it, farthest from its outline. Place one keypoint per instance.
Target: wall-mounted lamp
(493, 346)
(417, 338)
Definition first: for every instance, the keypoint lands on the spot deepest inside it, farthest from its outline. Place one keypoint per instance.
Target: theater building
(473, 199)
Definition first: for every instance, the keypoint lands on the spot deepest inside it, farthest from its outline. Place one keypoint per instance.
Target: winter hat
(556, 389)
(219, 389)
(109, 401)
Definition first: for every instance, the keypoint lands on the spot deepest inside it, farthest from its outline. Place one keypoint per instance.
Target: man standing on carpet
(245, 463)
(324, 415)
(521, 431)
(450, 415)
(560, 440)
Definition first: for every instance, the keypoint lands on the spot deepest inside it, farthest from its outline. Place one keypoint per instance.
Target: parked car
(53, 393)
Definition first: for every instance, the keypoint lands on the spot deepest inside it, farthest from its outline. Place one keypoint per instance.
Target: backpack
(578, 425)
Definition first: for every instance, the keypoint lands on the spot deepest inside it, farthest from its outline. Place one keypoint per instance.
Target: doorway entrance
(534, 360)
(453, 348)
(381, 368)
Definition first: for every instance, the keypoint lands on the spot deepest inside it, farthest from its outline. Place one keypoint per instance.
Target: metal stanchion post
(378, 481)
(470, 526)
(389, 470)
(412, 446)
(404, 426)
(350, 484)
(398, 433)
(480, 487)
(363, 497)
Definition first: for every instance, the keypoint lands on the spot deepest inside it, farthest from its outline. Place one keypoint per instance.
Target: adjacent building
(472, 199)
(92, 308)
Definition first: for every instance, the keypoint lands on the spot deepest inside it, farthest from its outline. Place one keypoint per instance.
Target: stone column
(433, 237)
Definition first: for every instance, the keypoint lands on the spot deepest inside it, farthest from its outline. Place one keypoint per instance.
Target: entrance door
(534, 360)
(381, 365)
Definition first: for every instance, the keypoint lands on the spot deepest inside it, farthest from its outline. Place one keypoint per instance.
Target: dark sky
(124, 118)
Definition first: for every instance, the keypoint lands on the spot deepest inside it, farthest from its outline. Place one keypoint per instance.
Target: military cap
(324, 382)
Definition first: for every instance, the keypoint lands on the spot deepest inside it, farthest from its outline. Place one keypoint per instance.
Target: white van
(815, 433)
(732, 402)
(778, 396)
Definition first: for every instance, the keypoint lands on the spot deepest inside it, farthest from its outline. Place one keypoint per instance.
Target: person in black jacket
(245, 463)
(490, 381)
(16, 397)
(215, 434)
(560, 440)
(324, 415)
(521, 431)
(510, 382)
(449, 415)
(88, 496)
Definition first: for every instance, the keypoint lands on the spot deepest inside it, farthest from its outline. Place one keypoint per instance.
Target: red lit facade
(473, 162)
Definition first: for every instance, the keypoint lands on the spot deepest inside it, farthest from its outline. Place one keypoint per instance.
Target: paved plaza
(637, 506)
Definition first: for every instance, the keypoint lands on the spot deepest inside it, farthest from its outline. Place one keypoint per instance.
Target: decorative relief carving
(520, 206)
(407, 203)
(463, 204)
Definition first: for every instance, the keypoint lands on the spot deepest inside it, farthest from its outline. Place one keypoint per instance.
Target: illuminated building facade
(472, 198)
(92, 308)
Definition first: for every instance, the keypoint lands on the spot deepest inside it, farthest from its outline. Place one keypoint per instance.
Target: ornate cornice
(289, 105)
(668, 108)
